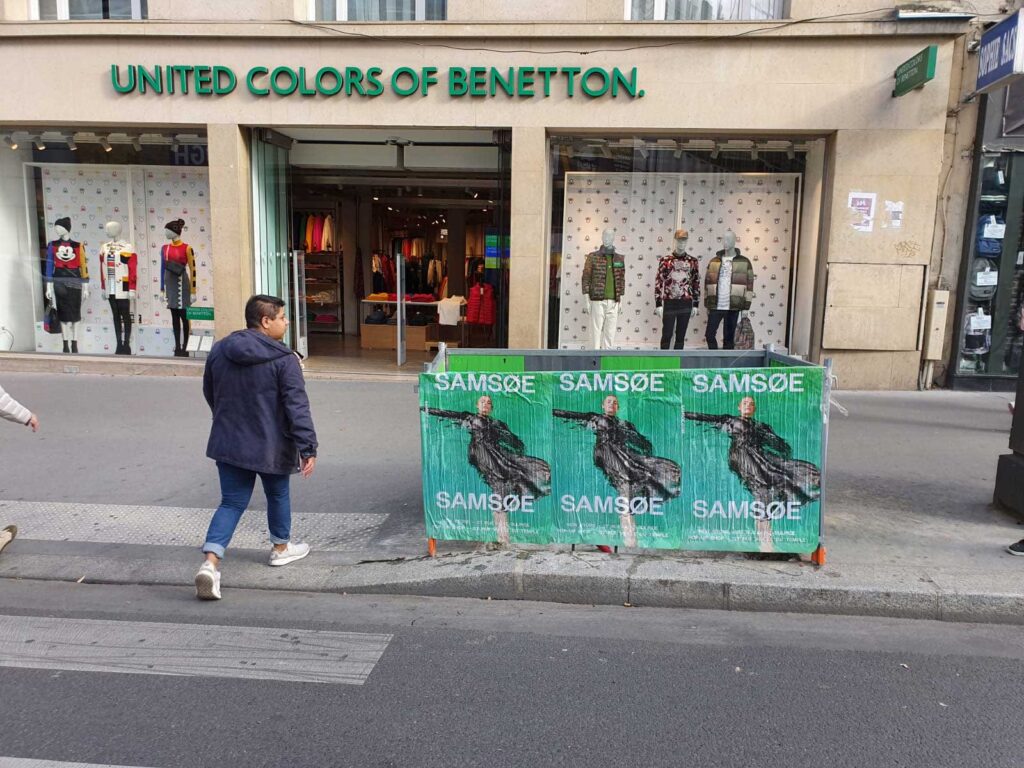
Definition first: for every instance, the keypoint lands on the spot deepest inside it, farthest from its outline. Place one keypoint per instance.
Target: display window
(672, 244)
(111, 251)
(992, 325)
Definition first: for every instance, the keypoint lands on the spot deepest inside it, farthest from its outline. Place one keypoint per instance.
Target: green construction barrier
(676, 458)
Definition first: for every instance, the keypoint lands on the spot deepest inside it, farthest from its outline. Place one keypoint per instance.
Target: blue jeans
(236, 486)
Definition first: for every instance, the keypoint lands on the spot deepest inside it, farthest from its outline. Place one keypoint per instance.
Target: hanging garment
(307, 240)
(327, 236)
(481, 308)
(318, 232)
(178, 274)
(118, 269)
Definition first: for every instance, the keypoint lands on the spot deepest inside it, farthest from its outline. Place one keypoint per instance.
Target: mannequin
(604, 282)
(728, 289)
(119, 279)
(677, 291)
(67, 281)
(178, 282)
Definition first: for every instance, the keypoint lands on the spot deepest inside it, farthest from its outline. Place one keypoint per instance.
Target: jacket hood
(250, 347)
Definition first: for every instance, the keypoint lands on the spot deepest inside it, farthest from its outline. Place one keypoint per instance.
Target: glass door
(277, 272)
(991, 336)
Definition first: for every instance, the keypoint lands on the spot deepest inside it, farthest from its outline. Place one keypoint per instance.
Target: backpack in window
(981, 292)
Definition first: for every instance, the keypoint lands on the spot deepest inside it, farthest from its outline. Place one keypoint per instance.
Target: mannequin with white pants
(602, 292)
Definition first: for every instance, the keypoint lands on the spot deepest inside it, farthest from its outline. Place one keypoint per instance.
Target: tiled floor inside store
(342, 354)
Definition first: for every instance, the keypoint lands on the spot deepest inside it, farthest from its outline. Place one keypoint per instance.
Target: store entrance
(402, 237)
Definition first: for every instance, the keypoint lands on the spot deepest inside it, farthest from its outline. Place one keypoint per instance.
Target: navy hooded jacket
(261, 418)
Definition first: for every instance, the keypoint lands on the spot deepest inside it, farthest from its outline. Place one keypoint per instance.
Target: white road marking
(23, 762)
(192, 650)
(180, 526)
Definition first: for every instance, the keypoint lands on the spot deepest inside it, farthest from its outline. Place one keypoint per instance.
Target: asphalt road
(479, 683)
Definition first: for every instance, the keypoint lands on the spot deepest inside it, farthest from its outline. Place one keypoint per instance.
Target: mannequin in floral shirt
(677, 291)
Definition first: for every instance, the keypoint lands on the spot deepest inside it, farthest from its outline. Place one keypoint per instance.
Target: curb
(578, 578)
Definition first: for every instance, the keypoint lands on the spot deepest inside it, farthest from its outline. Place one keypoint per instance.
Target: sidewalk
(116, 489)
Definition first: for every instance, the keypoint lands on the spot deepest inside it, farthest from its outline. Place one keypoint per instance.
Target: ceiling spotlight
(71, 143)
(643, 151)
(714, 153)
(10, 142)
(791, 153)
(606, 152)
(376, 198)
(390, 208)
(105, 143)
(40, 144)
(679, 150)
(753, 152)
(136, 143)
(175, 144)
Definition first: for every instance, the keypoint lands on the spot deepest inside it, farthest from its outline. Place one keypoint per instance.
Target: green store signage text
(525, 82)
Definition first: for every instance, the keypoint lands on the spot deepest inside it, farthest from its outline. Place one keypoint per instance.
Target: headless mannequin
(179, 321)
(681, 310)
(604, 313)
(122, 308)
(68, 330)
(716, 315)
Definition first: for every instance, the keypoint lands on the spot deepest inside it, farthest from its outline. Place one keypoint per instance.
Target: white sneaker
(7, 535)
(290, 554)
(208, 582)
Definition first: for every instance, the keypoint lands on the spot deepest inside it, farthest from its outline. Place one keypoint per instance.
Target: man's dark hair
(260, 306)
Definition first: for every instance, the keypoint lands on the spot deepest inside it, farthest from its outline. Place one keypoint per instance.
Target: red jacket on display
(481, 307)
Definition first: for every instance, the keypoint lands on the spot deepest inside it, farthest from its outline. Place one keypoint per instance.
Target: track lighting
(105, 143)
(71, 143)
(40, 144)
(10, 142)
(136, 143)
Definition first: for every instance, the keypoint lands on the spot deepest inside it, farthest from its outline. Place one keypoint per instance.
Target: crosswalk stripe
(23, 762)
(193, 650)
(181, 526)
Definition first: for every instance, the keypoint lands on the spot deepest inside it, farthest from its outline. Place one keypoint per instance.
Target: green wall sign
(519, 82)
(199, 313)
(916, 71)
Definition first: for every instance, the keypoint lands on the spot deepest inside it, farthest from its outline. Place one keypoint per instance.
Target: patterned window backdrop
(142, 199)
(644, 209)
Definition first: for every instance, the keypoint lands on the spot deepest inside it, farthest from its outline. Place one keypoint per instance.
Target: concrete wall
(236, 10)
(535, 10)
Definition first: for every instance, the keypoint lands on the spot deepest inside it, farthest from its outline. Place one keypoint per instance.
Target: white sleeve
(12, 410)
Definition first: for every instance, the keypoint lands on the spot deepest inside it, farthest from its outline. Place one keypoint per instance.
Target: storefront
(990, 324)
(334, 165)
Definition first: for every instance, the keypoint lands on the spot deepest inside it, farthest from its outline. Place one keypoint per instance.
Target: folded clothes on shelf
(377, 297)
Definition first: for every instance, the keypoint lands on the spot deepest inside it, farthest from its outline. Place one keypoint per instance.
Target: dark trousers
(122, 310)
(676, 317)
(715, 318)
(182, 329)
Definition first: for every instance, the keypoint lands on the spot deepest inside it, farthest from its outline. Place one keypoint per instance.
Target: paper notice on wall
(863, 206)
(894, 213)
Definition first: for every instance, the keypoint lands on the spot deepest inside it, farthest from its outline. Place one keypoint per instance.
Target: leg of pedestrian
(279, 520)
(236, 486)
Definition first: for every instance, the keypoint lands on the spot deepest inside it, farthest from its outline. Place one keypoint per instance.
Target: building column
(529, 233)
(456, 220)
(231, 222)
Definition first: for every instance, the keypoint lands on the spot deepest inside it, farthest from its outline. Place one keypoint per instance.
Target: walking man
(261, 426)
(12, 410)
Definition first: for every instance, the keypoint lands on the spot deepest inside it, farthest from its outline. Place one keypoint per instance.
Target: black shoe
(1016, 549)
(66, 348)
(74, 347)
(119, 350)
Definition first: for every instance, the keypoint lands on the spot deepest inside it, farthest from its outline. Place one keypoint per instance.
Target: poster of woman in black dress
(764, 464)
(627, 459)
(499, 456)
